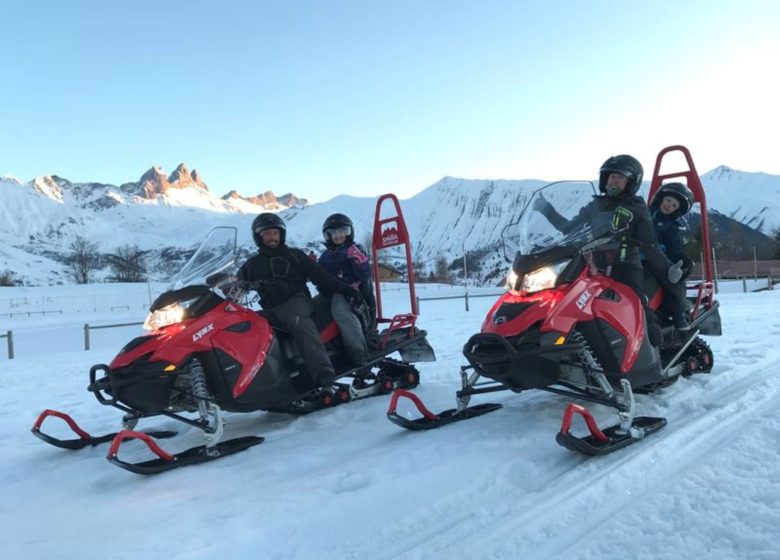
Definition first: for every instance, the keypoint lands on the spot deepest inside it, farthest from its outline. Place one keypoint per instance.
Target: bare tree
(776, 237)
(128, 264)
(442, 269)
(8, 278)
(418, 266)
(368, 240)
(82, 259)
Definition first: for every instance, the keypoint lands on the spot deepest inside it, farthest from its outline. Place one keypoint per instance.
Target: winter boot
(680, 321)
(326, 377)
(363, 371)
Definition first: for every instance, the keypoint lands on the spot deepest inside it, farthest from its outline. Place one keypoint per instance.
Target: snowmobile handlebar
(601, 244)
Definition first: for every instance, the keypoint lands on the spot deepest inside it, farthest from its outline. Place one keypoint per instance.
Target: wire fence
(140, 301)
(27, 306)
(88, 327)
(10, 336)
(465, 297)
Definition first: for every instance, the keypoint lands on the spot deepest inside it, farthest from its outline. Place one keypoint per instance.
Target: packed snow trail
(575, 501)
(346, 483)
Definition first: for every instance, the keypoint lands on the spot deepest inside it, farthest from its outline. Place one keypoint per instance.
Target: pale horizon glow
(359, 98)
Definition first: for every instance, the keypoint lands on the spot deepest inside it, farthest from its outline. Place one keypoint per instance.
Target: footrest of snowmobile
(430, 420)
(84, 439)
(166, 461)
(602, 442)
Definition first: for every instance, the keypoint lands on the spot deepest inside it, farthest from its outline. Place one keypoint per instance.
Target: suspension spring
(200, 389)
(591, 366)
(589, 362)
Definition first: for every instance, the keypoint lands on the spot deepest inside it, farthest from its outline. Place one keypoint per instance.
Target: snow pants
(294, 316)
(351, 329)
(631, 276)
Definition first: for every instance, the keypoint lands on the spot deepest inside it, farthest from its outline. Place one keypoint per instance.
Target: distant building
(388, 273)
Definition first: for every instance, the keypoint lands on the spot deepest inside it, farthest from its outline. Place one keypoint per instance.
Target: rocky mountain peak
(268, 200)
(721, 172)
(153, 182)
(290, 200)
(11, 179)
(48, 186)
(182, 178)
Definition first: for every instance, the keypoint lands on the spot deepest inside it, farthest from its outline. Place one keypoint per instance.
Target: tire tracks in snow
(495, 518)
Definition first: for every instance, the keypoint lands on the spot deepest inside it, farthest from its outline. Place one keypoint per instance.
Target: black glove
(353, 296)
(675, 272)
(540, 204)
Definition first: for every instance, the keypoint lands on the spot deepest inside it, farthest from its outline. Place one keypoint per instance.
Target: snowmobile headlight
(168, 315)
(512, 281)
(542, 278)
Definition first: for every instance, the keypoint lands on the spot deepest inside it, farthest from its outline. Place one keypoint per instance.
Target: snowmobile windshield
(217, 253)
(559, 214)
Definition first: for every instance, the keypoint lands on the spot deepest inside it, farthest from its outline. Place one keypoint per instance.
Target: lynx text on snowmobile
(566, 327)
(209, 353)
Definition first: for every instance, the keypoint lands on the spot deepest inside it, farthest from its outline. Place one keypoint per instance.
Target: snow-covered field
(346, 483)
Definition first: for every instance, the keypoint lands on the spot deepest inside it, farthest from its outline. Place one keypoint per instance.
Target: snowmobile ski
(84, 439)
(429, 420)
(167, 461)
(601, 442)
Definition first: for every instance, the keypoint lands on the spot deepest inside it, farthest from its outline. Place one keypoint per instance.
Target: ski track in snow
(566, 506)
(346, 483)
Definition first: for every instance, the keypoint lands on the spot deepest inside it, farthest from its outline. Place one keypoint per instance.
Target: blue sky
(364, 97)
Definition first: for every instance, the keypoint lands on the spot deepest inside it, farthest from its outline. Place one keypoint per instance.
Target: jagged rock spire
(154, 181)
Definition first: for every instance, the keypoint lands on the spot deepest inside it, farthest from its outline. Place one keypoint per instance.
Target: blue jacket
(348, 262)
(669, 234)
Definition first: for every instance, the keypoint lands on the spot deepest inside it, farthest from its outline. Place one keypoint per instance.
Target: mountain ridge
(450, 217)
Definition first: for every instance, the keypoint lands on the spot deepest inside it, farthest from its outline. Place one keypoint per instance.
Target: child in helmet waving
(671, 202)
(348, 261)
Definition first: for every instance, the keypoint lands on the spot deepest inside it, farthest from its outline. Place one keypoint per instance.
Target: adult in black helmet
(269, 221)
(624, 166)
(619, 180)
(348, 261)
(284, 296)
(670, 203)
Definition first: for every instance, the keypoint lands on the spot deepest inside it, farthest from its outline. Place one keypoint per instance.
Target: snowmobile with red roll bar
(566, 327)
(209, 353)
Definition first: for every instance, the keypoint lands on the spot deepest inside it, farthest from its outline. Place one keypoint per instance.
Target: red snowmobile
(565, 326)
(208, 354)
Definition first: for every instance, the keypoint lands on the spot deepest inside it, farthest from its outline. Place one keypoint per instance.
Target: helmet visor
(340, 230)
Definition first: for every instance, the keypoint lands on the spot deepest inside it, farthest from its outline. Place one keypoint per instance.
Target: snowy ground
(346, 483)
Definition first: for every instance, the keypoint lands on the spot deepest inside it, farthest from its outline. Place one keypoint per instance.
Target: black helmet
(627, 166)
(677, 190)
(265, 221)
(335, 221)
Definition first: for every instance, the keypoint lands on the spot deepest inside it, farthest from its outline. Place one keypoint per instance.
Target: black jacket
(286, 271)
(631, 226)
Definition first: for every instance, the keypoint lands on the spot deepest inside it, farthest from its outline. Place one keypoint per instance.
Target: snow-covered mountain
(749, 198)
(40, 218)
